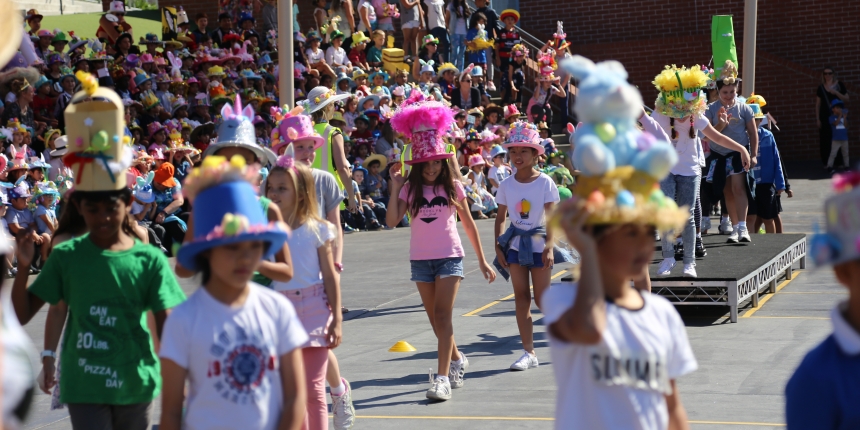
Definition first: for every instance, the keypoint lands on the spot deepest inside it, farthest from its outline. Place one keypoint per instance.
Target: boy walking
(769, 178)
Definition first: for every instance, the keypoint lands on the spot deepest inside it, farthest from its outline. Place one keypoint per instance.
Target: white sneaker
(706, 224)
(744, 234)
(666, 267)
(342, 410)
(441, 389)
(690, 270)
(725, 226)
(527, 361)
(456, 372)
(733, 236)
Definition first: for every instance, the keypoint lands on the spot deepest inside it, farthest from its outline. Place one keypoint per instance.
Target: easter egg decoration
(234, 224)
(656, 161)
(605, 131)
(100, 142)
(625, 199)
(596, 198)
(592, 157)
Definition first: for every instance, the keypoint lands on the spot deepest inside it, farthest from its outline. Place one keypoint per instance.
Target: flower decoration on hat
(681, 91)
(288, 160)
(15, 126)
(621, 166)
(520, 50)
(214, 169)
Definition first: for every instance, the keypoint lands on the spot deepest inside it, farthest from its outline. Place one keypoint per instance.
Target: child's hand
(396, 176)
(723, 117)
(573, 216)
(26, 247)
(49, 370)
(334, 334)
(548, 257)
(500, 256)
(488, 272)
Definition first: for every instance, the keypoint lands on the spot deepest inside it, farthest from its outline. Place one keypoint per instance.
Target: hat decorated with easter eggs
(233, 213)
(840, 240)
(620, 166)
(524, 134)
(424, 123)
(681, 91)
(292, 126)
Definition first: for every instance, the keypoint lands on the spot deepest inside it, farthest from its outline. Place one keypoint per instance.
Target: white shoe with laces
(456, 373)
(733, 236)
(690, 270)
(706, 224)
(666, 267)
(744, 234)
(441, 389)
(343, 412)
(525, 362)
(725, 226)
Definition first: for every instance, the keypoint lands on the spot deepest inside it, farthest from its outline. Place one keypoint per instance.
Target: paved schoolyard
(742, 372)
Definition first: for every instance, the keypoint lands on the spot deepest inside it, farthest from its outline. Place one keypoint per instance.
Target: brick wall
(796, 39)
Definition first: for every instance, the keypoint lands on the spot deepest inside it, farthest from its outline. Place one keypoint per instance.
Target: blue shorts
(514, 258)
(429, 270)
(385, 26)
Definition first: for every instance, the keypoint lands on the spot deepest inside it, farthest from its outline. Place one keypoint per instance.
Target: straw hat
(383, 161)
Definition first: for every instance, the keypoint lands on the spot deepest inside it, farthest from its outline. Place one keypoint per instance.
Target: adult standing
(367, 17)
(830, 89)
(411, 22)
(343, 10)
(436, 24)
(331, 157)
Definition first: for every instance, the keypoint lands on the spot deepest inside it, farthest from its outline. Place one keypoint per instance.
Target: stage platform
(732, 273)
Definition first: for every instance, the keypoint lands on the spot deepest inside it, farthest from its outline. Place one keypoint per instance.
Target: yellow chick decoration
(88, 82)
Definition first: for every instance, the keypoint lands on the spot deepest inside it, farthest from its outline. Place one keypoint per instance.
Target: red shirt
(506, 41)
(357, 56)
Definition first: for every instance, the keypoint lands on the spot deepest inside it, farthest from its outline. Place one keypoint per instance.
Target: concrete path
(742, 372)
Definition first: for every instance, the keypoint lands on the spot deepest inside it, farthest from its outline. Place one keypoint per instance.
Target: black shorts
(766, 203)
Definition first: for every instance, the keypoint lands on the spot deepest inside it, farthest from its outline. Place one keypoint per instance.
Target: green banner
(723, 42)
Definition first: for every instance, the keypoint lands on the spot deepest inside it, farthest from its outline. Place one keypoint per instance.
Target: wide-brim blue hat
(385, 76)
(230, 213)
(140, 79)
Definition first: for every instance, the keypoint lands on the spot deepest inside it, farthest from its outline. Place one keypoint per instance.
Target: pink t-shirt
(434, 227)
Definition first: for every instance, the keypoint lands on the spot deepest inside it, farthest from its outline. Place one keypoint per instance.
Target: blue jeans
(429, 270)
(458, 50)
(441, 33)
(685, 190)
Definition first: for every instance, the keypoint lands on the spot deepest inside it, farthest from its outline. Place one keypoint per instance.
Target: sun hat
(141, 157)
(385, 76)
(164, 175)
(681, 91)
(491, 108)
(141, 77)
(369, 97)
(233, 212)
(342, 76)
(321, 97)
(383, 161)
(476, 112)
(237, 131)
(840, 240)
(61, 145)
(33, 14)
(424, 123)
(476, 160)
(45, 188)
(524, 134)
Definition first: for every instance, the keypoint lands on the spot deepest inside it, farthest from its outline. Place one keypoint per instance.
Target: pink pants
(316, 362)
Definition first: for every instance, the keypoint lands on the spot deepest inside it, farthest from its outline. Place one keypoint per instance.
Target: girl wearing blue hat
(237, 344)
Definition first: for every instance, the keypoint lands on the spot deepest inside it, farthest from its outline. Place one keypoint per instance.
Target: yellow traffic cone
(402, 346)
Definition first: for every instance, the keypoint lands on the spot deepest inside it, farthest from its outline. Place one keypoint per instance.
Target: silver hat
(237, 131)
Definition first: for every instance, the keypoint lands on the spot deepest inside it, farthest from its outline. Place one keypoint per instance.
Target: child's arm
(53, 331)
(14, 228)
(711, 133)
(26, 304)
(677, 413)
(331, 282)
(396, 206)
(548, 257)
(172, 394)
(511, 76)
(281, 269)
(472, 232)
(48, 223)
(293, 385)
(559, 91)
(501, 216)
(585, 321)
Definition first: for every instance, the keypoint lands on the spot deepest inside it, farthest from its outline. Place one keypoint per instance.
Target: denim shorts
(514, 258)
(385, 26)
(429, 270)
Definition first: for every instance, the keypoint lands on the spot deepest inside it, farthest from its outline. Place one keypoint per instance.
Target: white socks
(338, 391)
(742, 224)
(443, 378)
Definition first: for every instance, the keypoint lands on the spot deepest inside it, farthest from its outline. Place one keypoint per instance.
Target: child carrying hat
(237, 345)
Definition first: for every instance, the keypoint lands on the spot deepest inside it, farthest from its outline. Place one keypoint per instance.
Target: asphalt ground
(743, 367)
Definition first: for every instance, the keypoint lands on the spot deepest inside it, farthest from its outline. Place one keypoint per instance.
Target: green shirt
(107, 354)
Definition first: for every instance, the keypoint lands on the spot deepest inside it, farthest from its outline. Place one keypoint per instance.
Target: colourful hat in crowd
(150, 39)
(154, 127)
(164, 174)
(359, 37)
(729, 74)
(233, 213)
(143, 192)
(524, 134)
(681, 91)
(237, 131)
(342, 76)
(424, 123)
(19, 191)
(141, 77)
(520, 50)
(840, 241)
(447, 67)
(510, 13)
(33, 14)
(497, 151)
(476, 160)
(385, 76)
(149, 100)
(321, 97)
(621, 166)
(293, 127)
(117, 7)
(60, 37)
(428, 39)
(383, 161)
(757, 102)
(19, 159)
(60, 147)
(427, 66)
(511, 111)
(358, 73)
(558, 41)
(215, 71)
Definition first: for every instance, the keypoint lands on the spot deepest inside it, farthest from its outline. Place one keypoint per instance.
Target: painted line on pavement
(472, 418)
(793, 318)
(767, 297)
(495, 302)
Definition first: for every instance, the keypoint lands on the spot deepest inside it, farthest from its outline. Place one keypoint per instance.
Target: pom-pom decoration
(216, 169)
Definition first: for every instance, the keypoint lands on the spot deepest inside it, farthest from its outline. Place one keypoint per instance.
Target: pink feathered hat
(424, 123)
(476, 160)
(293, 128)
(524, 134)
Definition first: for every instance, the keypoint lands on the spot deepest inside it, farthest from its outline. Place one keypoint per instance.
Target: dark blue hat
(231, 214)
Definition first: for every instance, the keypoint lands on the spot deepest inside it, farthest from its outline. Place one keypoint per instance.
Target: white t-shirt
(499, 174)
(690, 153)
(232, 357)
(435, 13)
(315, 57)
(525, 205)
(306, 262)
(336, 56)
(595, 390)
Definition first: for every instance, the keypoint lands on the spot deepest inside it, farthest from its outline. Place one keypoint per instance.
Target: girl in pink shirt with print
(433, 198)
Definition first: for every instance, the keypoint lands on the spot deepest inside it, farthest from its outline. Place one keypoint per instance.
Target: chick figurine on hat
(621, 167)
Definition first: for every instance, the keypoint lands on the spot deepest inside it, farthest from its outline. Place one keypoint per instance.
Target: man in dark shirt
(225, 23)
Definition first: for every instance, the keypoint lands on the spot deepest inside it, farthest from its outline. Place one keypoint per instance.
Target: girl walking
(315, 287)
(525, 247)
(238, 345)
(434, 198)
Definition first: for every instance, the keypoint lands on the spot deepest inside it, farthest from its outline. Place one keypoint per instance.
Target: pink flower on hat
(524, 134)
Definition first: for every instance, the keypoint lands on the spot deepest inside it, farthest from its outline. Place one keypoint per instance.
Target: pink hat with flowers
(476, 160)
(524, 134)
(292, 126)
(424, 123)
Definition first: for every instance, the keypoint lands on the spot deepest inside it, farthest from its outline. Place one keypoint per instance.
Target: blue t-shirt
(41, 227)
(21, 217)
(477, 57)
(840, 132)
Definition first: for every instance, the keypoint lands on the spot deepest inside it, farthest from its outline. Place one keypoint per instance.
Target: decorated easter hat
(237, 130)
(511, 111)
(429, 39)
(20, 190)
(446, 67)
(510, 13)
(559, 43)
(729, 74)
(233, 213)
(681, 91)
(45, 188)
(840, 241)
(143, 192)
(321, 97)
(19, 159)
(524, 134)
(356, 72)
(359, 37)
(427, 66)
(293, 126)
(424, 123)
(370, 97)
(756, 102)
(620, 166)
(476, 160)
(519, 50)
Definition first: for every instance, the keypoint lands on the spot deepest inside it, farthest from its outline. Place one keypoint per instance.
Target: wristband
(339, 267)
(49, 353)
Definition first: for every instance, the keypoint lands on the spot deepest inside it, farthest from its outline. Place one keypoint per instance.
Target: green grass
(86, 24)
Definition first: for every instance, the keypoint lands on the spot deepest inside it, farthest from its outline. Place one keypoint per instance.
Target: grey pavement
(742, 371)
